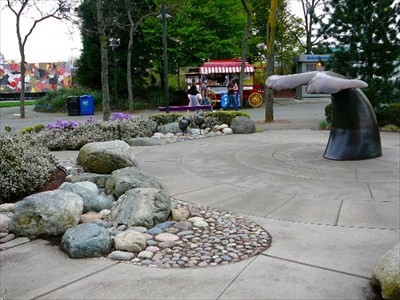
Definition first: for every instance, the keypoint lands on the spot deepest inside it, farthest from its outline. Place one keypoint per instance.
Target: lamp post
(114, 43)
(165, 55)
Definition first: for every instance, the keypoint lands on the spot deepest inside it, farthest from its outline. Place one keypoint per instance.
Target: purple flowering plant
(118, 116)
(68, 124)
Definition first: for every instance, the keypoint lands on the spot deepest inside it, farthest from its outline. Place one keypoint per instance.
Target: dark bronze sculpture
(354, 131)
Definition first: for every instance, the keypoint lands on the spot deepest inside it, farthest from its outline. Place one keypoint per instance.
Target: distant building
(308, 63)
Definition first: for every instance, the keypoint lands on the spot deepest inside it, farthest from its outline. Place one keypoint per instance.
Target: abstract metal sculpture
(183, 125)
(199, 121)
(354, 131)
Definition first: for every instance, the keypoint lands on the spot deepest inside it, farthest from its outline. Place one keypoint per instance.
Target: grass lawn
(15, 103)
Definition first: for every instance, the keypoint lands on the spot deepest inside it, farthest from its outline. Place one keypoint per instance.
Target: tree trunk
(21, 46)
(22, 92)
(244, 48)
(271, 28)
(104, 61)
(129, 62)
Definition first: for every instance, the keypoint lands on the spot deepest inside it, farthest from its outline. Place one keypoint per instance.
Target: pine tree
(366, 44)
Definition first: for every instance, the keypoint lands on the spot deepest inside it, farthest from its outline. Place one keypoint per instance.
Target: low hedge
(219, 117)
(56, 101)
(386, 114)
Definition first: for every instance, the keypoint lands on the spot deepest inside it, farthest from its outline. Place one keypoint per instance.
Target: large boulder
(243, 125)
(86, 240)
(125, 179)
(386, 275)
(141, 207)
(105, 157)
(91, 200)
(46, 214)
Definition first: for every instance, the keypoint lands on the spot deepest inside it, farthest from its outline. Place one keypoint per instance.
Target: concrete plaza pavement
(330, 221)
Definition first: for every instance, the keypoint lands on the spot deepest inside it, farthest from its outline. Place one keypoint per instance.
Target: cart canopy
(225, 66)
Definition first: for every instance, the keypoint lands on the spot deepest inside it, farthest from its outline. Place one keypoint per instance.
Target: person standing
(192, 94)
(231, 95)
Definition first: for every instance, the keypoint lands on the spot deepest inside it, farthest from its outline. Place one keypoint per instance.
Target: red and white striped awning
(210, 70)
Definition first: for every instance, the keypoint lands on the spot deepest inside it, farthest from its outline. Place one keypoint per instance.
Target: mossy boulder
(386, 275)
(106, 157)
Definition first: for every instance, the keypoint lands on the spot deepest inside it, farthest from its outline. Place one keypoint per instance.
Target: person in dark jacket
(192, 94)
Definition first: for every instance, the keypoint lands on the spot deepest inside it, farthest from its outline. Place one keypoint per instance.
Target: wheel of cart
(213, 98)
(255, 100)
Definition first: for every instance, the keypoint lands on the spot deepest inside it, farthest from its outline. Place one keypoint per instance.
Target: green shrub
(391, 128)
(56, 101)
(165, 118)
(25, 165)
(225, 117)
(324, 125)
(32, 129)
(328, 113)
(388, 114)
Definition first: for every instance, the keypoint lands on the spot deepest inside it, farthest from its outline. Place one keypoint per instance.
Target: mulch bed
(56, 179)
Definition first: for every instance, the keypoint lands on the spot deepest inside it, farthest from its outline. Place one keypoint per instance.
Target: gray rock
(7, 208)
(46, 214)
(13, 243)
(131, 241)
(4, 222)
(386, 275)
(106, 157)
(243, 125)
(154, 230)
(170, 127)
(86, 240)
(91, 200)
(126, 179)
(145, 141)
(90, 186)
(7, 238)
(98, 179)
(141, 207)
(121, 255)
(165, 225)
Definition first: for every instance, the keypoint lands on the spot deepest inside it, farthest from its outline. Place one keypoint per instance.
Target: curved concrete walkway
(329, 220)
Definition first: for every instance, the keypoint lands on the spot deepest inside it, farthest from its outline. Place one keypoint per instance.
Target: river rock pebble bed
(208, 238)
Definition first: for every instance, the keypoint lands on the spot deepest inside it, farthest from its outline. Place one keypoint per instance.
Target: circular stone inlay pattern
(228, 238)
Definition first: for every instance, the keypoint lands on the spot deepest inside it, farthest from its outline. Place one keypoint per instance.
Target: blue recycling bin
(225, 100)
(87, 105)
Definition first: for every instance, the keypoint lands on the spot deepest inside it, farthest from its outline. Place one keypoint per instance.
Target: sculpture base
(352, 144)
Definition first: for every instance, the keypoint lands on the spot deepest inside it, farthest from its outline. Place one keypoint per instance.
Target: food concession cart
(217, 73)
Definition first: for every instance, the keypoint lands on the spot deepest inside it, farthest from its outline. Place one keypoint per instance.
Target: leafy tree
(39, 11)
(366, 44)
(312, 14)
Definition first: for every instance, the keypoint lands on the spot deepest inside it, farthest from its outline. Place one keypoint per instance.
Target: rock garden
(107, 207)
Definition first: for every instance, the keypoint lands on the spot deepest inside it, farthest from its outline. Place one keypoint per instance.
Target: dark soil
(54, 182)
(56, 179)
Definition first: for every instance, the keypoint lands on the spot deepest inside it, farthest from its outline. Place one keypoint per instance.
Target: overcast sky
(51, 40)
